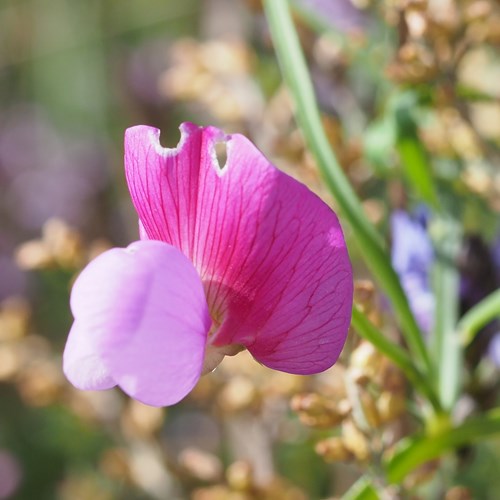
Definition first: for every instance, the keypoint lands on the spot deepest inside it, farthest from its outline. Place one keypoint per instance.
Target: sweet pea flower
(230, 256)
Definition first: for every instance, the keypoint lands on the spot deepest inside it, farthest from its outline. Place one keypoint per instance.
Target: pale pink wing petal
(141, 322)
(82, 364)
(271, 254)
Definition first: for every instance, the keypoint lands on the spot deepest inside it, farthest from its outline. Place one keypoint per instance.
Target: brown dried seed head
(333, 450)
(114, 463)
(200, 464)
(142, 420)
(370, 409)
(476, 11)
(390, 406)
(14, 318)
(237, 394)
(458, 493)
(239, 476)
(365, 359)
(355, 441)
(317, 411)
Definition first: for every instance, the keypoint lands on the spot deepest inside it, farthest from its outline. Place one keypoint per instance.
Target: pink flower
(231, 257)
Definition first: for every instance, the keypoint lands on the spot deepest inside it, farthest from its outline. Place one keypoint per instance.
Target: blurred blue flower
(10, 474)
(340, 14)
(412, 258)
(479, 276)
(46, 172)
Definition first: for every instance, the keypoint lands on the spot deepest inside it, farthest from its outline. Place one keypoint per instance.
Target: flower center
(214, 355)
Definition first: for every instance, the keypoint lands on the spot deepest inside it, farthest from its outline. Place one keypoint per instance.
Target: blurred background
(399, 82)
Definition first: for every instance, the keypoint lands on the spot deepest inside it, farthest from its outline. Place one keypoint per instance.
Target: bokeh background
(74, 74)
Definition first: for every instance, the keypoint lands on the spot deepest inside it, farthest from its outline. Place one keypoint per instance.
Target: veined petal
(271, 254)
(141, 322)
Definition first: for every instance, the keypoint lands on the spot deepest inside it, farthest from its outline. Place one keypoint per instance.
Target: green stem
(413, 452)
(370, 243)
(396, 354)
(362, 489)
(478, 316)
(448, 351)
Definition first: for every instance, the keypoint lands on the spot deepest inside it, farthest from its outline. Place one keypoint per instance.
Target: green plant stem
(413, 452)
(448, 350)
(362, 489)
(396, 354)
(370, 243)
(478, 316)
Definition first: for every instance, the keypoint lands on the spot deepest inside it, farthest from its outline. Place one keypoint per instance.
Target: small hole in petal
(220, 149)
(162, 150)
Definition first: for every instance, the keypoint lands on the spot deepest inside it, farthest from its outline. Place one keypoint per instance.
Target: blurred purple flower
(478, 278)
(479, 266)
(412, 259)
(494, 349)
(13, 281)
(144, 69)
(340, 14)
(10, 474)
(45, 172)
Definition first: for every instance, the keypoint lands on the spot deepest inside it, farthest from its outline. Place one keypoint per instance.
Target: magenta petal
(271, 254)
(141, 322)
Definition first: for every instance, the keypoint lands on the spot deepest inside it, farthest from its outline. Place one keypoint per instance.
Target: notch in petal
(141, 322)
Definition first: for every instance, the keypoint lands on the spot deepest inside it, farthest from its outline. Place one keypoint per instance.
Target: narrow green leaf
(379, 142)
(413, 157)
(413, 452)
(478, 316)
(396, 354)
(448, 349)
(416, 167)
(362, 489)
(370, 243)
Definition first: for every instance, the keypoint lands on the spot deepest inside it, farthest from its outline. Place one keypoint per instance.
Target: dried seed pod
(140, 420)
(390, 377)
(333, 450)
(63, 242)
(315, 410)
(355, 441)
(369, 408)
(14, 318)
(114, 463)
(422, 474)
(238, 393)
(201, 465)
(364, 361)
(458, 493)
(390, 406)
(477, 11)
(41, 383)
(239, 476)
